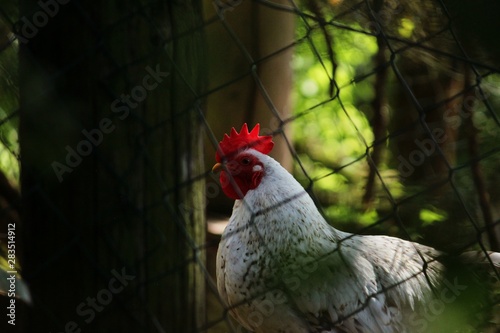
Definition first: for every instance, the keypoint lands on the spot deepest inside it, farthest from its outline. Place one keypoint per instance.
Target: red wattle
(228, 186)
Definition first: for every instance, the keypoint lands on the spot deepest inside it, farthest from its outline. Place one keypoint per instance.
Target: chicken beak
(217, 168)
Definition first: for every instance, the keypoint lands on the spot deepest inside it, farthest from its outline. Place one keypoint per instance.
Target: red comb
(230, 144)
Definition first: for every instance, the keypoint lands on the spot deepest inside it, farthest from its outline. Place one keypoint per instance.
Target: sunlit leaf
(406, 27)
(429, 216)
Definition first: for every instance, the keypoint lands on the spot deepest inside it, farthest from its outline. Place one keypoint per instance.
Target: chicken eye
(245, 161)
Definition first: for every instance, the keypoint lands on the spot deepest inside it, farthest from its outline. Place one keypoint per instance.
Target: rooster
(282, 268)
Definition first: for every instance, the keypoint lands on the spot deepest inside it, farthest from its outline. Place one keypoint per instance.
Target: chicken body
(282, 268)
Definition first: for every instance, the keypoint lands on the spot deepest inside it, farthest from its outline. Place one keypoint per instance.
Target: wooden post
(113, 201)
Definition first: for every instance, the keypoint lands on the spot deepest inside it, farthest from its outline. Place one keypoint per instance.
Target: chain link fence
(386, 112)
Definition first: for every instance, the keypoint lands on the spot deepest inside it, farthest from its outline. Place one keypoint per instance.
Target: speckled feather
(282, 268)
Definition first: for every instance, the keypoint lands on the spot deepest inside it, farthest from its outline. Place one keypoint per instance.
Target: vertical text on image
(11, 279)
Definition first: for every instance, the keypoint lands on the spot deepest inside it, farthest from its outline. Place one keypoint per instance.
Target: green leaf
(429, 216)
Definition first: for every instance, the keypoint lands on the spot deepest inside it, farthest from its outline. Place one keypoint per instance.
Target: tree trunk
(250, 74)
(110, 141)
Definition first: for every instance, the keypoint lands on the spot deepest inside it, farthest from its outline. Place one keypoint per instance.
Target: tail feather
(481, 258)
(495, 258)
(474, 277)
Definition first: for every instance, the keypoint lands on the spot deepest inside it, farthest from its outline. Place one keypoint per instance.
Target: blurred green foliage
(9, 105)
(333, 132)
(431, 215)
(333, 136)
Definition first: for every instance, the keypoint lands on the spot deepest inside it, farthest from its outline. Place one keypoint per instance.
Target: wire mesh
(417, 99)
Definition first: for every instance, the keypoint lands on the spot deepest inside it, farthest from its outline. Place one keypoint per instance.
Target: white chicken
(282, 268)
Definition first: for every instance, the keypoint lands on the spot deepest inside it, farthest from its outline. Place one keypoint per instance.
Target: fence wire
(420, 108)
